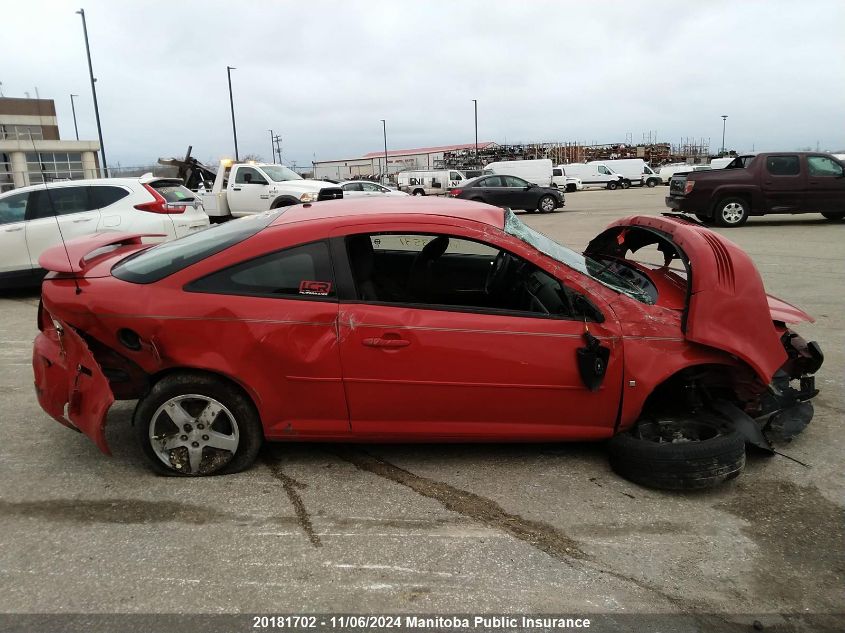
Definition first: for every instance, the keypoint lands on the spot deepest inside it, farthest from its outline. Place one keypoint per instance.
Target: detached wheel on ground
(683, 453)
(193, 424)
(834, 216)
(546, 204)
(732, 212)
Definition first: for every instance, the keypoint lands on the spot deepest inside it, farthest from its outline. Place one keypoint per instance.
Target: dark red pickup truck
(781, 182)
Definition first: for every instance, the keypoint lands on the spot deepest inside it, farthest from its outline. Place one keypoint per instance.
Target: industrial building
(31, 150)
(373, 164)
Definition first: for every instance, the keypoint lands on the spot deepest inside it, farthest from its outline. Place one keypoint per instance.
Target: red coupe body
(379, 332)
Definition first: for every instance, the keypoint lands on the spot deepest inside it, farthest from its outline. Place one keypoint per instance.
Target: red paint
(319, 369)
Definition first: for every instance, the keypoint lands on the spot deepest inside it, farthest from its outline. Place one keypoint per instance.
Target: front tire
(546, 204)
(651, 183)
(612, 185)
(834, 216)
(679, 453)
(193, 424)
(418, 192)
(732, 212)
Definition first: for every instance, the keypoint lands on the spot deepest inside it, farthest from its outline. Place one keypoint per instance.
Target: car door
(248, 191)
(517, 193)
(352, 190)
(451, 367)
(825, 185)
(784, 183)
(14, 255)
(58, 213)
(492, 190)
(371, 189)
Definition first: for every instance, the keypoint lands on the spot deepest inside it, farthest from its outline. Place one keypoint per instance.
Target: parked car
(595, 175)
(417, 319)
(537, 171)
(562, 180)
(428, 182)
(34, 218)
(667, 171)
(510, 191)
(774, 182)
(634, 170)
(366, 188)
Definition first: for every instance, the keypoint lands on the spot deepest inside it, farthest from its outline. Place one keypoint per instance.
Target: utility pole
(73, 109)
(278, 140)
(229, 70)
(386, 169)
(724, 119)
(272, 146)
(475, 106)
(94, 92)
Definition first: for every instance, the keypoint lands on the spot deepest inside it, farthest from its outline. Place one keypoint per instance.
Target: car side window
(301, 272)
(352, 186)
(453, 175)
(492, 181)
(604, 170)
(50, 201)
(783, 165)
(453, 273)
(823, 166)
(513, 181)
(103, 196)
(367, 186)
(557, 172)
(13, 208)
(248, 175)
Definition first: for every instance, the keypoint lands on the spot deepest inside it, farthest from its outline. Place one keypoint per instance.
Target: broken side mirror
(592, 361)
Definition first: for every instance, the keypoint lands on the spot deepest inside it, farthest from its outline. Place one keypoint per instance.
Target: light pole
(94, 92)
(475, 107)
(724, 119)
(73, 109)
(386, 170)
(229, 70)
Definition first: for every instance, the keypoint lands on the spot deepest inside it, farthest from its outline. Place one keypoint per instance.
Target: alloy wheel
(733, 213)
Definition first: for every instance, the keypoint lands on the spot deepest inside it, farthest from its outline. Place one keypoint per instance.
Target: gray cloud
(322, 74)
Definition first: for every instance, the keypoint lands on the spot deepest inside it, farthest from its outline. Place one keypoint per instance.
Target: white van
(721, 163)
(429, 182)
(538, 172)
(634, 170)
(667, 171)
(594, 175)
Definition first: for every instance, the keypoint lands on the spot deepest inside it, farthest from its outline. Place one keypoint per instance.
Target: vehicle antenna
(55, 217)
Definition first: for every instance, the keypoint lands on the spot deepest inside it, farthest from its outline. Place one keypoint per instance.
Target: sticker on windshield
(318, 288)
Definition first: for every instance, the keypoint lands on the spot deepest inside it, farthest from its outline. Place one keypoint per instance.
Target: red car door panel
(448, 374)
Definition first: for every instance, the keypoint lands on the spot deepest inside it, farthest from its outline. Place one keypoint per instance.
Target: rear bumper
(69, 383)
(687, 205)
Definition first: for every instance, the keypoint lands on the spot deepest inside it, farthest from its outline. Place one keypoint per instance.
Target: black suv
(509, 191)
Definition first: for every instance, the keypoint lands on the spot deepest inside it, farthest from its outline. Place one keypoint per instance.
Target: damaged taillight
(44, 320)
(688, 186)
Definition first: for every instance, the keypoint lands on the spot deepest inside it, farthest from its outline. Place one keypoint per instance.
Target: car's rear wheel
(626, 184)
(418, 192)
(682, 453)
(834, 216)
(546, 204)
(612, 185)
(732, 212)
(194, 424)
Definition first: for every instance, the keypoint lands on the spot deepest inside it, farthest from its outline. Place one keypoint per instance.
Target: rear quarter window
(167, 258)
(103, 195)
(172, 191)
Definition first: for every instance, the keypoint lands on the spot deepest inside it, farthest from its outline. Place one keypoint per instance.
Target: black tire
(731, 212)
(418, 192)
(834, 216)
(626, 183)
(651, 183)
(612, 185)
(682, 463)
(248, 425)
(546, 204)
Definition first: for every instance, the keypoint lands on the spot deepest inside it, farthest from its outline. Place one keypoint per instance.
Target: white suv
(32, 219)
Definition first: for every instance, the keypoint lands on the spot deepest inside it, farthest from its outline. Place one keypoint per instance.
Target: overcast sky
(323, 74)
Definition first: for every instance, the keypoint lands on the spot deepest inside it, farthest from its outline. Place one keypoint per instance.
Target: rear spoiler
(70, 257)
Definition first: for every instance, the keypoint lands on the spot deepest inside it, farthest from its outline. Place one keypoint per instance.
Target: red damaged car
(424, 320)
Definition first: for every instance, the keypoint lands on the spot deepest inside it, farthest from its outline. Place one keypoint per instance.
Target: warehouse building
(373, 164)
(31, 150)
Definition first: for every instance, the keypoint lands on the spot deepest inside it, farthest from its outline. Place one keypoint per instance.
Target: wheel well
(690, 388)
(415, 190)
(191, 371)
(283, 201)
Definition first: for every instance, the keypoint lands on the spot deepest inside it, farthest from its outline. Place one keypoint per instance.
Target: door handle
(386, 342)
(14, 228)
(82, 220)
(236, 188)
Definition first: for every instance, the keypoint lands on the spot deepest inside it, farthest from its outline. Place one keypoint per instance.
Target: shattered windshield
(566, 256)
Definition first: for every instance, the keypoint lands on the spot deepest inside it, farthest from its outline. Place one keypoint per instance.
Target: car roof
(84, 182)
(412, 206)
